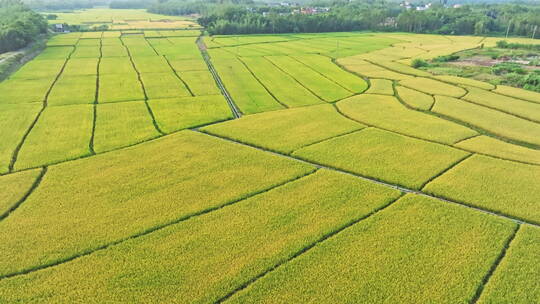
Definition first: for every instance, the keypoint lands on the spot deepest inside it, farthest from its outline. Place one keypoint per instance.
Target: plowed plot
(57, 222)
(24, 91)
(173, 114)
(491, 146)
(521, 108)
(281, 85)
(518, 93)
(163, 85)
(202, 262)
(287, 130)
(125, 87)
(380, 86)
(61, 133)
(499, 185)
(386, 112)
(122, 124)
(407, 253)
(329, 69)
(493, 121)
(514, 280)
(415, 99)
(200, 82)
(14, 122)
(431, 86)
(13, 187)
(317, 83)
(73, 90)
(384, 156)
(245, 89)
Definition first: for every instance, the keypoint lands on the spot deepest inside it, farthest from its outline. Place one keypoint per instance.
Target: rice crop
(380, 86)
(61, 133)
(329, 69)
(14, 122)
(431, 86)
(388, 113)
(384, 156)
(153, 64)
(406, 253)
(18, 91)
(321, 86)
(498, 148)
(73, 90)
(524, 109)
(124, 87)
(493, 121)
(245, 89)
(39, 69)
(13, 187)
(282, 86)
(415, 99)
(173, 114)
(122, 124)
(115, 65)
(511, 282)
(126, 202)
(80, 66)
(86, 52)
(518, 93)
(200, 82)
(501, 186)
(163, 85)
(287, 130)
(465, 81)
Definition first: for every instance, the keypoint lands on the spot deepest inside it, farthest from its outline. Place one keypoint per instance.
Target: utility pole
(534, 32)
(508, 28)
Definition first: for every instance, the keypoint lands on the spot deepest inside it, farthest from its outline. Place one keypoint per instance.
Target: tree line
(246, 16)
(19, 25)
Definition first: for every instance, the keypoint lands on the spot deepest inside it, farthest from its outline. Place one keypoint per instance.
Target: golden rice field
(154, 166)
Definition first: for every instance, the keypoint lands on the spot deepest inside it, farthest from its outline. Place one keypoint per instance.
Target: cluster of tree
(19, 25)
(244, 16)
(131, 4)
(57, 5)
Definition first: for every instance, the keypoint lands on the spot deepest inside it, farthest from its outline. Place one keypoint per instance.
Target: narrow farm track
(374, 180)
(306, 249)
(234, 108)
(147, 231)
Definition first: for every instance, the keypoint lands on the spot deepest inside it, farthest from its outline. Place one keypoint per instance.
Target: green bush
(507, 67)
(419, 63)
(446, 58)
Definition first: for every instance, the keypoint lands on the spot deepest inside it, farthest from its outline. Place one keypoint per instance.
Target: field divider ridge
(33, 187)
(456, 163)
(308, 248)
(493, 268)
(15, 154)
(178, 76)
(143, 88)
(155, 228)
(378, 181)
(96, 99)
(204, 53)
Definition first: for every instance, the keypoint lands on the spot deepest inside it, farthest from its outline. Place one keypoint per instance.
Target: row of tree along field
(19, 25)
